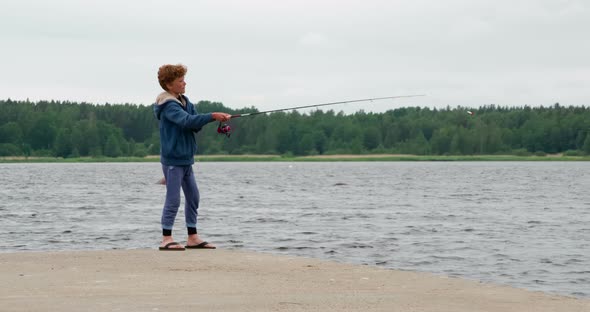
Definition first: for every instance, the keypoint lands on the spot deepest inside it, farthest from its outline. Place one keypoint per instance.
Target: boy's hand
(222, 117)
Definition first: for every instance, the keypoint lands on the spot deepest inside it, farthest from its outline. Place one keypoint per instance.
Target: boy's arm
(180, 117)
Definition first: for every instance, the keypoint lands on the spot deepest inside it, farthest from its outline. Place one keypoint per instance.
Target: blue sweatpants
(180, 177)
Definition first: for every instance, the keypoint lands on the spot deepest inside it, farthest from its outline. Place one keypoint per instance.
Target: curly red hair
(168, 73)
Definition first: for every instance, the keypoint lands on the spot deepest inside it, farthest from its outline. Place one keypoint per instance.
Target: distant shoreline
(316, 158)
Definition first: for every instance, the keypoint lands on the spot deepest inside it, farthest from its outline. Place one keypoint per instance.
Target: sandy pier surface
(221, 280)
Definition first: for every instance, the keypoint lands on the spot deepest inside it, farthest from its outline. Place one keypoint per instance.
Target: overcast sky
(276, 54)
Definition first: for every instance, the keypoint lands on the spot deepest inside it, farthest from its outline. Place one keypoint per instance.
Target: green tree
(43, 134)
(112, 147)
(9, 149)
(75, 153)
(586, 146)
(11, 133)
(306, 144)
(63, 143)
(36, 129)
(441, 141)
(319, 139)
(371, 138)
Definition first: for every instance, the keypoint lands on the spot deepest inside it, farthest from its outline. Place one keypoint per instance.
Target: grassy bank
(238, 158)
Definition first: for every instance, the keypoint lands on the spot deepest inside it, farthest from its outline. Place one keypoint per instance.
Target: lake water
(525, 224)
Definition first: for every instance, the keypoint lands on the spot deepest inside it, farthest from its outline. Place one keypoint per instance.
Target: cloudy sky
(276, 54)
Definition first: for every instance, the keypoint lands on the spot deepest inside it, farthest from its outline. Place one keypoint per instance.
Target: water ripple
(522, 224)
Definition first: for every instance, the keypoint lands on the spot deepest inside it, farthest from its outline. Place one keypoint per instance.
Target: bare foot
(194, 240)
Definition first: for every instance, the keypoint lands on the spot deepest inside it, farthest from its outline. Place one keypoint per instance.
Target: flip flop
(200, 246)
(167, 247)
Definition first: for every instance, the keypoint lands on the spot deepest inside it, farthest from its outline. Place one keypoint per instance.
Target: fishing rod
(323, 104)
(226, 129)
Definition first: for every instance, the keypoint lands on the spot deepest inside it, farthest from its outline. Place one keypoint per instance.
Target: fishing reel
(224, 129)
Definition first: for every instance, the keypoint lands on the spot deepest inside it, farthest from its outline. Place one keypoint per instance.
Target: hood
(164, 99)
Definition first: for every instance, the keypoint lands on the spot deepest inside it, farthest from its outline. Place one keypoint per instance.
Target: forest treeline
(69, 129)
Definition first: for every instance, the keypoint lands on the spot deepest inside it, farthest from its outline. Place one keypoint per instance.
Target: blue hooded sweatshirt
(178, 120)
